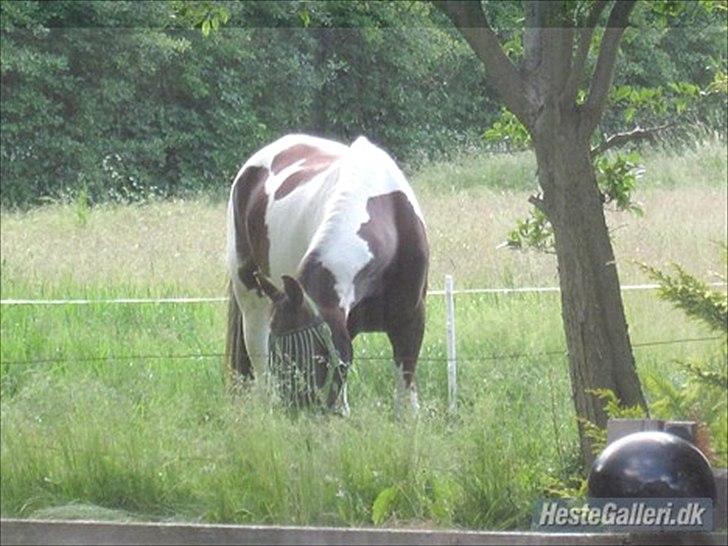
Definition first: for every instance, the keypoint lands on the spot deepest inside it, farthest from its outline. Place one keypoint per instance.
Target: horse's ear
(268, 288)
(293, 290)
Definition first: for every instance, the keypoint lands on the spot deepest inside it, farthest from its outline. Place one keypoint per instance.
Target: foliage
(617, 179)
(574, 484)
(654, 103)
(697, 394)
(382, 504)
(204, 14)
(125, 101)
(668, 92)
(692, 400)
(508, 128)
(692, 295)
(535, 231)
(131, 101)
(615, 410)
(702, 393)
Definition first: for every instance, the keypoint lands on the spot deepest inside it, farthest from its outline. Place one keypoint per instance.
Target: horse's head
(302, 357)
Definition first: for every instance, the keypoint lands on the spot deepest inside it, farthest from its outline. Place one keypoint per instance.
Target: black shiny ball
(651, 465)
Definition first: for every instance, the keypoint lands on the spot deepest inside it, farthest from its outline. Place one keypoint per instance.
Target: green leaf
(305, 18)
(508, 128)
(629, 113)
(383, 504)
(617, 179)
(614, 409)
(621, 92)
(533, 232)
(692, 295)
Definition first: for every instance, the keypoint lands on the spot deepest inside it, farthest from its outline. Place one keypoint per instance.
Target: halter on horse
(342, 228)
(296, 354)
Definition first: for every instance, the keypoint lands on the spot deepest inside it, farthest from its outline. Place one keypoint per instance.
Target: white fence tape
(524, 290)
(104, 301)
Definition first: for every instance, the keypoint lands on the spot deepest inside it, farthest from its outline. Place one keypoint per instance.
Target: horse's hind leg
(405, 334)
(236, 353)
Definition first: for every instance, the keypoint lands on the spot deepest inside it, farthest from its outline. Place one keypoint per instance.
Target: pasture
(127, 426)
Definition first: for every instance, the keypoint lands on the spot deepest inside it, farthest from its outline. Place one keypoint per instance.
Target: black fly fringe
(292, 363)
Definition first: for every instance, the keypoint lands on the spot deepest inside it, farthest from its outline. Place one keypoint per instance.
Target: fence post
(452, 365)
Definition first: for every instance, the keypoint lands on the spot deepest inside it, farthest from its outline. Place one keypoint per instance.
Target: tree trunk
(542, 92)
(597, 339)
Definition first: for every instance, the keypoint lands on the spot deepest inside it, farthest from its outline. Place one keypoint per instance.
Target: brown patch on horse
(251, 236)
(288, 316)
(390, 290)
(315, 161)
(397, 239)
(319, 282)
(289, 156)
(320, 285)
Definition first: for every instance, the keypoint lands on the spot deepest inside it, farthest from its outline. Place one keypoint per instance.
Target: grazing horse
(342, 229)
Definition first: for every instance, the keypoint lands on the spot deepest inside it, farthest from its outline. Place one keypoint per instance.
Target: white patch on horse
(293, 221)
(233, 260)
(343, 403)
(365, 172)
(405, 398)
(325, 213)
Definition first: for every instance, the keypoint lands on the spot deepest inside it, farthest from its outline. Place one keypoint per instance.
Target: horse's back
(374, 228)
(266, 211)
(350, 208)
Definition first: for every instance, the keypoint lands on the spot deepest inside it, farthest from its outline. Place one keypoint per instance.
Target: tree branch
(582, 50)
(538, 202)
(503, 76)
(548, 39)
(604, 71)
(620, 139)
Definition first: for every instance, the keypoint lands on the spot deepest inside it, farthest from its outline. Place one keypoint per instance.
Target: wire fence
(198, 356)
(217, 299)
(448, 293)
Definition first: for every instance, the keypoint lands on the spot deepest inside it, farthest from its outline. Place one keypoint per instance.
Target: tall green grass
(161, 438)
(701, 164)
(115, 428)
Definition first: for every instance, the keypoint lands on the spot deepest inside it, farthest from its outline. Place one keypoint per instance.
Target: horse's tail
(237, 361)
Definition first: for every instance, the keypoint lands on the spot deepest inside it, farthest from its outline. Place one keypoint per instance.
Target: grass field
(96, 436)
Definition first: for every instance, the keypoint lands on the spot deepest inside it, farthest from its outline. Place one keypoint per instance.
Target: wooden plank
(619, 428)
(26, 532)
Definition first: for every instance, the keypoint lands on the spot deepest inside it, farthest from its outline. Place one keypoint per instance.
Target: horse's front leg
(255, 312)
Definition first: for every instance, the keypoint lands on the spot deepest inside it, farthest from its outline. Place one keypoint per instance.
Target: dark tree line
(120, 100)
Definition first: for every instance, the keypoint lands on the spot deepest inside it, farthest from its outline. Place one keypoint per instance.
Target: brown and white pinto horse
(342, 228)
